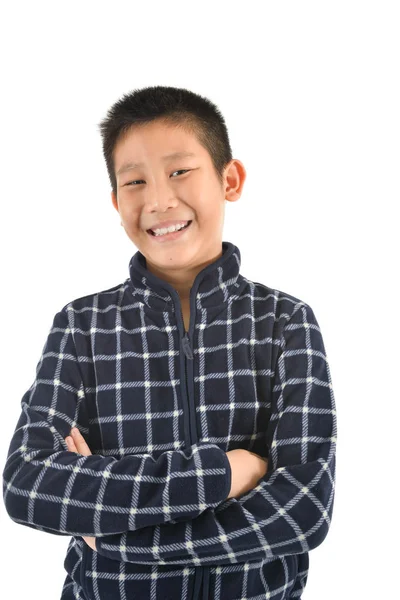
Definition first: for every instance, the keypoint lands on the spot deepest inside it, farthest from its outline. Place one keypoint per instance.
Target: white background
(310, 94)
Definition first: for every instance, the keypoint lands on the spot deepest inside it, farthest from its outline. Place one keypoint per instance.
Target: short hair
(175, 106)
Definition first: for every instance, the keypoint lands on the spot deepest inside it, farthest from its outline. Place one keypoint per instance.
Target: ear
(114, 201)
(234, 179)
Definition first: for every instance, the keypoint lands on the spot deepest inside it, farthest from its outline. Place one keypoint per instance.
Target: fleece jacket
(159, 408)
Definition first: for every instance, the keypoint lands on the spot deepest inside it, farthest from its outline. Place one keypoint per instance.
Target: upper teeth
(170, 229)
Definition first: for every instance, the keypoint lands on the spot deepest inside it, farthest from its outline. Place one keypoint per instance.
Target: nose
(159, 203)
(159, 196)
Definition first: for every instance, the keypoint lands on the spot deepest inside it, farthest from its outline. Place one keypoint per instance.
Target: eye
(178, 171)
(181, 171)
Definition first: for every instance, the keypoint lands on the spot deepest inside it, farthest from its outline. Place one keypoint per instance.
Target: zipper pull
(186, 346)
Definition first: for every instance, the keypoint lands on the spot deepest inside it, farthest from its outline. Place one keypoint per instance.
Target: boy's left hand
(76, 443)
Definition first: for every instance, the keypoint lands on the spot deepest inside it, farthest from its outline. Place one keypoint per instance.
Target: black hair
(175, 106)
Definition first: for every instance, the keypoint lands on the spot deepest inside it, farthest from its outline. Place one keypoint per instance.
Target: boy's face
(158, 191)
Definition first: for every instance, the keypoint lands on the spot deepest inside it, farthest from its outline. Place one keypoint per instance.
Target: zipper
(187, 347)
(188, 355)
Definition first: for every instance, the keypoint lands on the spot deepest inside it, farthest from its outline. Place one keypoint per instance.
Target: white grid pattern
(154, 490)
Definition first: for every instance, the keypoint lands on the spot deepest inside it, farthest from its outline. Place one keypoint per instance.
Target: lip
(170, 236)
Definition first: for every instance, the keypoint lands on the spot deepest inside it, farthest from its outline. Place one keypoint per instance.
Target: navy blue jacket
(159, 408)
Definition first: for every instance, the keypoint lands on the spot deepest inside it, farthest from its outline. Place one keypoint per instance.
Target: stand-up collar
(211, 287)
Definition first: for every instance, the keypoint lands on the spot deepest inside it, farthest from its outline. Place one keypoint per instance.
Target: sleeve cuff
(222, 484)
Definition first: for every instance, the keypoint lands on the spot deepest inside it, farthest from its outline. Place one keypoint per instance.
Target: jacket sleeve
(290, 509)
(48, 487)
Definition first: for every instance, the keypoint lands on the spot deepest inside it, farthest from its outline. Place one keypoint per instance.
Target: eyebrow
(132, 165)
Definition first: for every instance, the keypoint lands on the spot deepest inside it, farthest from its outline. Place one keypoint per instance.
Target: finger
(80, 442)
(78, 437)
(71, 444)
(91, 541)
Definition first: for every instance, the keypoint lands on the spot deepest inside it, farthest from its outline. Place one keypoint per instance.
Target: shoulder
(280, 303)
(100, 301)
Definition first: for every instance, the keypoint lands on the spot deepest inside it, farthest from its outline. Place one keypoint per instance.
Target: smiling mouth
(150, 232)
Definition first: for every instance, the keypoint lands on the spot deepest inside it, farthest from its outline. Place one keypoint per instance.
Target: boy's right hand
(247, 468)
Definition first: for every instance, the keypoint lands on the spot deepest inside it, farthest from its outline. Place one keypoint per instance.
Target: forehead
(155, 142)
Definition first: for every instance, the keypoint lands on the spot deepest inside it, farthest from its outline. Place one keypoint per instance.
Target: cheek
(130, 214)
(212, 215)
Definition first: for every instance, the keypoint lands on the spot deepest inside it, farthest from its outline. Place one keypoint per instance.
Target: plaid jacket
(159, 408)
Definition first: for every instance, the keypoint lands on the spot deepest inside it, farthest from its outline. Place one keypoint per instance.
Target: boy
(204, 464)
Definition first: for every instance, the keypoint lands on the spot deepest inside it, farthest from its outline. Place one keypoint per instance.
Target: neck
(214, 285)
(181, 280)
